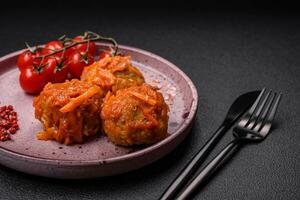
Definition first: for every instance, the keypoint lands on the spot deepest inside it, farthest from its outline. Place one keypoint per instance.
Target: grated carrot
(75, 102)
(104, 78)
(136, 71)
(120, 67)
(107, 96)
(144, 98)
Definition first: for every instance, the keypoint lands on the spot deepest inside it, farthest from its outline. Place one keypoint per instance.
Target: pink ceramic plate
(98, 156)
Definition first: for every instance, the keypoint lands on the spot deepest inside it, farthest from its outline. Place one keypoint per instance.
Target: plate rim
(189, 119)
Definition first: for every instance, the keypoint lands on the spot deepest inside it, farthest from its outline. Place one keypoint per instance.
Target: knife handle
(209, 169)
(184, 176)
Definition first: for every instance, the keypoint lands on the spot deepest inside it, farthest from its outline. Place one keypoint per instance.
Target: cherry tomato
(52, 46)
(77, 62)
(27, 59)
(32, 82)
(83, 47)
(104, 54)
(55, 71)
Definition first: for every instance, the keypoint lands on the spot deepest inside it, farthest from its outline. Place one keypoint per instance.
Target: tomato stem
(94, 37)
(61, 38)
(31, 49)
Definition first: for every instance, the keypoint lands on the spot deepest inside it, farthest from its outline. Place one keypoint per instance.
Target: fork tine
(255, 117)
(256, 101)
(268, 121)
(264, 114)
(246, 118)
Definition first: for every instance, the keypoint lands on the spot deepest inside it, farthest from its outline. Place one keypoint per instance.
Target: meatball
(69, 111)
(134, 116)
(113, 73)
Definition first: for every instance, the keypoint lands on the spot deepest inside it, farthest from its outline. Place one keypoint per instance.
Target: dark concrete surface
(225, 54)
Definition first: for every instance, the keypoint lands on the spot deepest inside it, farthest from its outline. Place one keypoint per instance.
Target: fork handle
(184, 176)
(209, 169)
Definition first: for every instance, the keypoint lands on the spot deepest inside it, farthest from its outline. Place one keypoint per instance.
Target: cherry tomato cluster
(57, 61)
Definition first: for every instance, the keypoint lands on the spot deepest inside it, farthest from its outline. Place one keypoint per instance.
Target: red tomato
(77, 62)
(27, 59)
(54, 71)
(84, 46)
(52, 46)
(32, 82)
(104, 54)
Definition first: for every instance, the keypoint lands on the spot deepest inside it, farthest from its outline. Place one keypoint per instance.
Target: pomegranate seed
(8, 122)
(12, 130)
(15, 126)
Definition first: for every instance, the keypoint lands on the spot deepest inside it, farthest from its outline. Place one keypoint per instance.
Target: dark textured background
(225, 53)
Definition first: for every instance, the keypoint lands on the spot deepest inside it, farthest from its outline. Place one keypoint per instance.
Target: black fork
(254, 126)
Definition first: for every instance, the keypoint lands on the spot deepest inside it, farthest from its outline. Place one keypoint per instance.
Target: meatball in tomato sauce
(135, 115)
